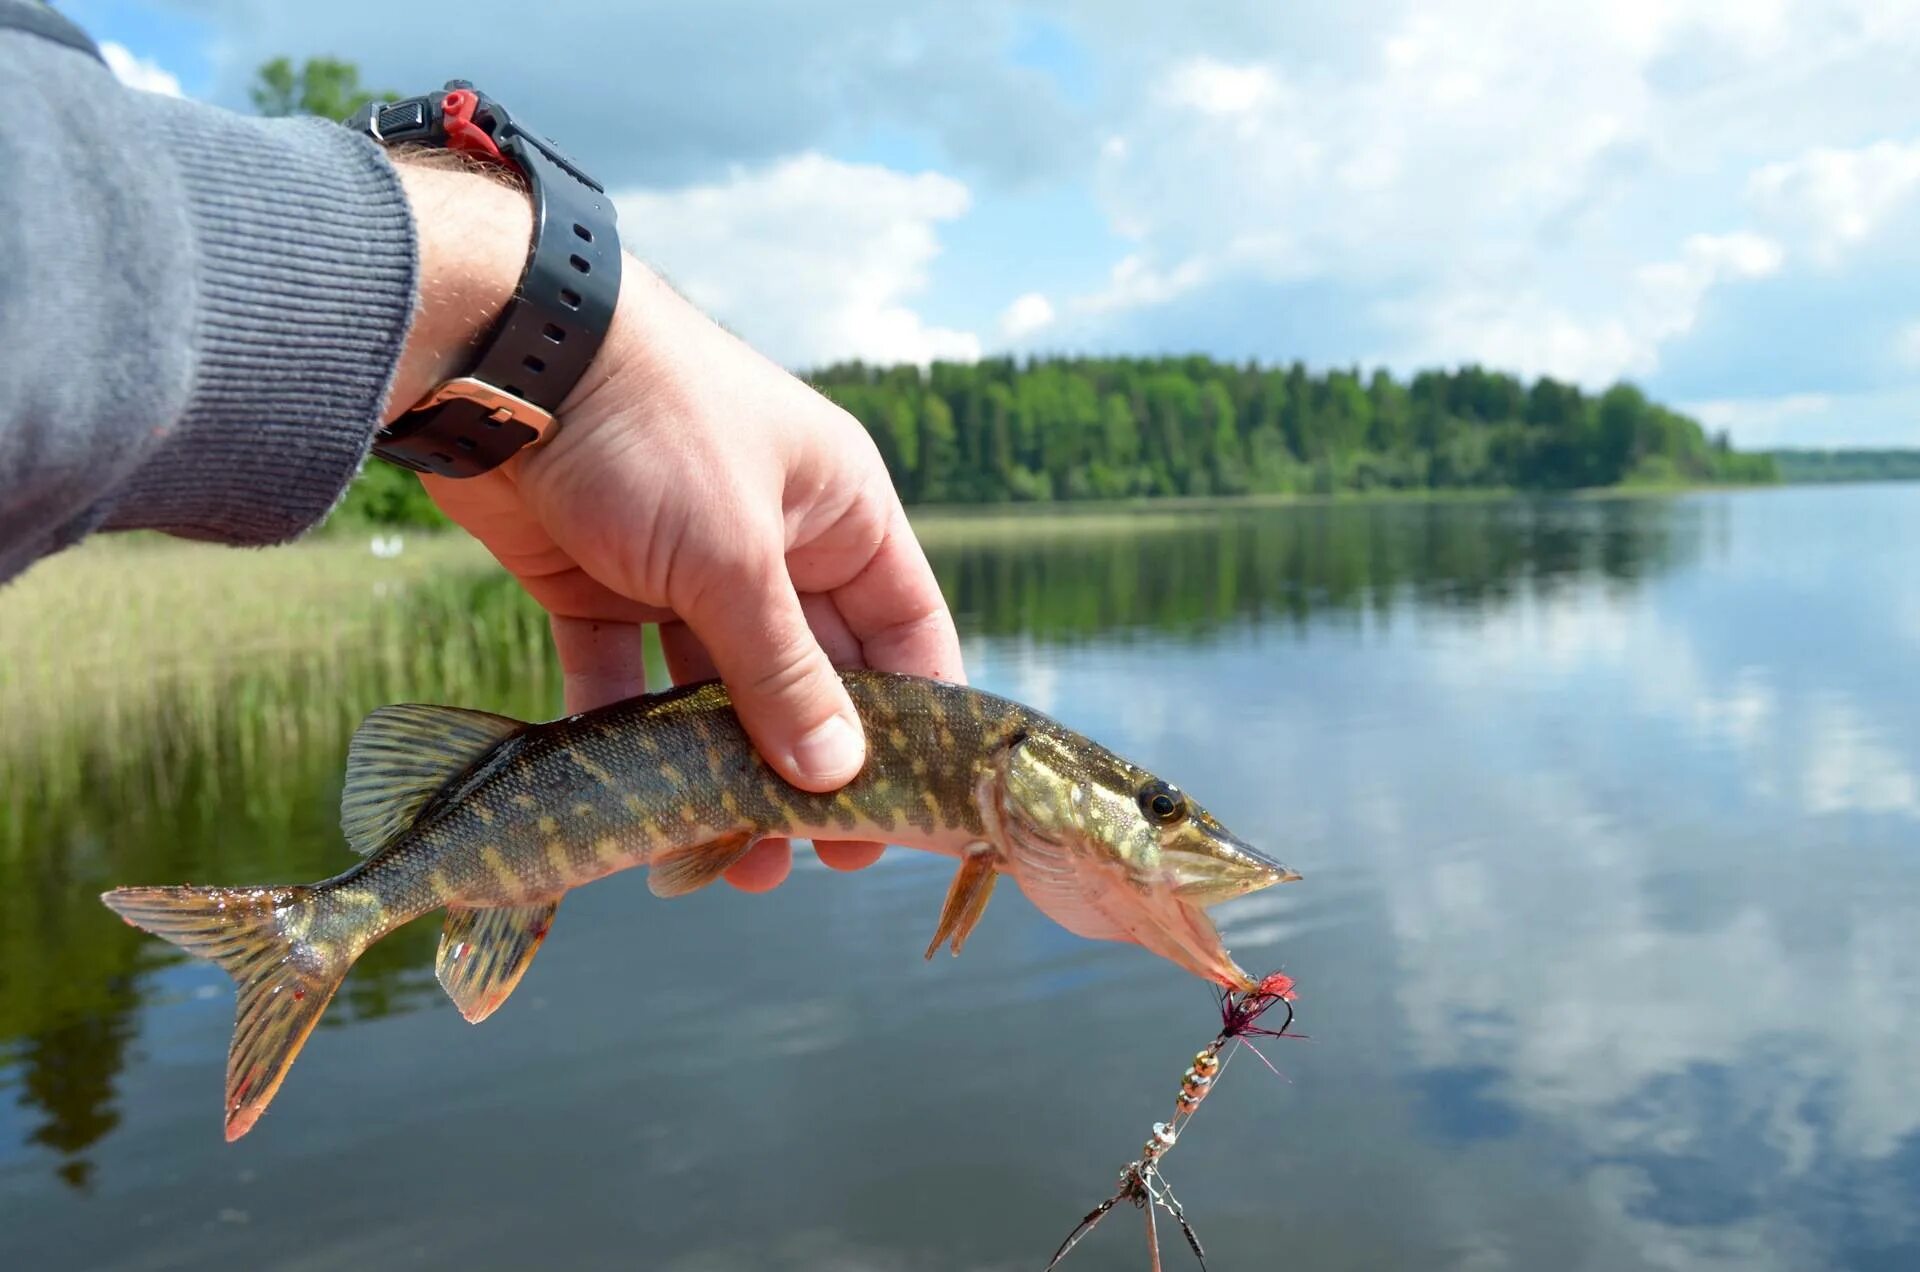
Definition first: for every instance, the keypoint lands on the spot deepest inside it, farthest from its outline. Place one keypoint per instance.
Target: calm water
(1609, 948)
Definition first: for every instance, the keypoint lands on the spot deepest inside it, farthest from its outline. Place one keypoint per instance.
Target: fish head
(1111, 851)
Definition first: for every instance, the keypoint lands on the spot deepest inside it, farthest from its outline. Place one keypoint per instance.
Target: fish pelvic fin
(693, 868)
(284, 981)
(485, 952)
(400, 758)
(967, 898)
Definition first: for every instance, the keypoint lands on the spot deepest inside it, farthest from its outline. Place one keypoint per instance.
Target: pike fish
(494, 820)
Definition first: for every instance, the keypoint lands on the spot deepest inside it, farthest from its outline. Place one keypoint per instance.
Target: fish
(494, 820)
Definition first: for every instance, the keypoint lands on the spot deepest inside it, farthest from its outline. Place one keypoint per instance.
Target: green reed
(172, 712)
(147, 670)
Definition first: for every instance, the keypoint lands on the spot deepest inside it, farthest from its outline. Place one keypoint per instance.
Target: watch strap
(546, 335)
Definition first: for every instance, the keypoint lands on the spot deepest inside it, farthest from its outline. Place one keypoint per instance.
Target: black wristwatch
(549, 331)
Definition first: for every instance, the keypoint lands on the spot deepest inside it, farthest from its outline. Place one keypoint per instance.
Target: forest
(1114, 428)
(1059, 429)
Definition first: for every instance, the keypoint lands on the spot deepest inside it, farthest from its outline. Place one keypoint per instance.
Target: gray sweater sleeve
(200, 312)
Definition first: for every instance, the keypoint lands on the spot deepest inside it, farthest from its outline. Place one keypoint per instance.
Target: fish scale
(495, 820)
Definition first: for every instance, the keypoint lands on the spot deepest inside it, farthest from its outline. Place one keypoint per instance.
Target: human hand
(692, 483)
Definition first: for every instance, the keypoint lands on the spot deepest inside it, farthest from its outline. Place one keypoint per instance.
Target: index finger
(894, 608)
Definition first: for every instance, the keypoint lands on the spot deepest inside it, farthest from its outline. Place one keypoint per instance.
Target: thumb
(787, 693)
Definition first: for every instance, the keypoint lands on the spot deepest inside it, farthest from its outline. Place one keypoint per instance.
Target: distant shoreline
(957, 514)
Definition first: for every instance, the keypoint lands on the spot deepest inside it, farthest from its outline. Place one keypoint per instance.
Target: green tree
(1620, 422)
(939, 453)
(323, 86)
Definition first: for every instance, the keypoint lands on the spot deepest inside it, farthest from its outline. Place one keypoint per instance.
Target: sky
(1716, 199)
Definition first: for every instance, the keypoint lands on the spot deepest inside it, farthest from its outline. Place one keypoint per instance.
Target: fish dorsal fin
(401, 755)
(484, 952)
(692, 869)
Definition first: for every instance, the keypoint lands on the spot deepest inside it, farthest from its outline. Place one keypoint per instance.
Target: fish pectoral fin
(400, 756)
(691, 869)
(967, 898)
(484, 953)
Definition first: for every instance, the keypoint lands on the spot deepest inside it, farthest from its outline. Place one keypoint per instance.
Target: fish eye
(1162, 803)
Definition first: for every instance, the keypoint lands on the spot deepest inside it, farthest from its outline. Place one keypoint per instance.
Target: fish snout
(1259, 870)
(1226, 868)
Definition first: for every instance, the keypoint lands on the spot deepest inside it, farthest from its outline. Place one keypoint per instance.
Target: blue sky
(1719, 201)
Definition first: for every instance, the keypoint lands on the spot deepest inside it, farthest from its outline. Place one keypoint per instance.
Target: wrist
(474, 230)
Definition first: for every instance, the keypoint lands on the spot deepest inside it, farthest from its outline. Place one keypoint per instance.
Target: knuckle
(724, 563)
(788, 668)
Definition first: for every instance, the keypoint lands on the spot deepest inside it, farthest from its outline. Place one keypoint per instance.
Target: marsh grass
(158, 665)
(173, 712)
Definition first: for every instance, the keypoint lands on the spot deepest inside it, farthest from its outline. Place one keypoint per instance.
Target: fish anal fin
(967, 899)
(691, 869)
(400, 756)
(485, 951)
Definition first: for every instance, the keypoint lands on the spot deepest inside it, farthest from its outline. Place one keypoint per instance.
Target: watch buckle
(499, 405)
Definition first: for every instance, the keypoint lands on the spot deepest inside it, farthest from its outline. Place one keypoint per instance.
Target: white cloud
(1534, 333)
(1026, 315)
(139, 72)
(1758, 421)
(1569, 190)
(1839, 198)
(811, 259)
(1218, 88)
(1524, 332)
(1135, 282)
(1668, 293)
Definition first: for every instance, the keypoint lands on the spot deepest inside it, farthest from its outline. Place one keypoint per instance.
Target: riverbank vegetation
(1847, 465)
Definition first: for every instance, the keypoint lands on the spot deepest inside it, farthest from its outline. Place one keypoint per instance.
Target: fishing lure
(1141, 1180)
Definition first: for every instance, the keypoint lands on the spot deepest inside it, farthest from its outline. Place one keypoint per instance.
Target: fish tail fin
(285, 981)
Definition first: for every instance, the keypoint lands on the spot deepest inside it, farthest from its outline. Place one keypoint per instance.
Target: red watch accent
(456, 116)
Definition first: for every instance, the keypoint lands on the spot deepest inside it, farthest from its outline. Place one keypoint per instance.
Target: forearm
(200, 313)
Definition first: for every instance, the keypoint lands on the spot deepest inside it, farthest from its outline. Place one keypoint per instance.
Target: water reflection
(1607, 811)
(244, 791)
(200, 802)
(1072, 576)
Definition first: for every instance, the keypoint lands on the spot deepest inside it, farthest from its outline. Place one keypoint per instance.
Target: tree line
(1112, 428)
(1848, 465)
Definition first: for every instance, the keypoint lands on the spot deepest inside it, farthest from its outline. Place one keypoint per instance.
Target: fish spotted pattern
(495, 820)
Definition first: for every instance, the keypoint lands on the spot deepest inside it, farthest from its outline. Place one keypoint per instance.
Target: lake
(1609, 812)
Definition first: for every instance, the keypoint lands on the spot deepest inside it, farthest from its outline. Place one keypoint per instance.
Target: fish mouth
(1272, 871)
(1096, 902)
(1086, 890)
(1186, 934)
(1226, 868)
